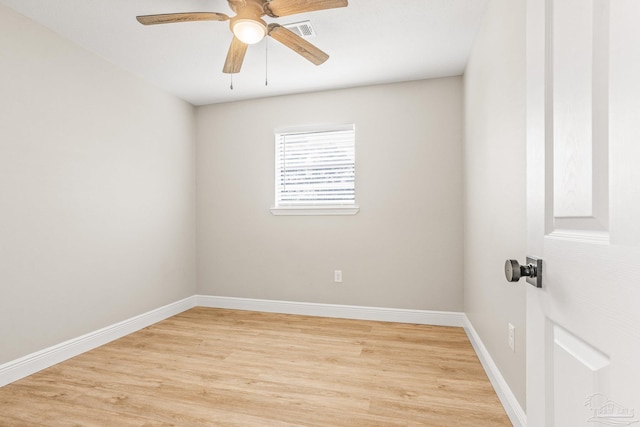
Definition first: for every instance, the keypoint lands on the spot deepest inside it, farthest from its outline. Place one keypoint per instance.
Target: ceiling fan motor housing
(247, 9)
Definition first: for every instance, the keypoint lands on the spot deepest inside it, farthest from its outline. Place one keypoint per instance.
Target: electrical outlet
(512, 337)
(337, 276)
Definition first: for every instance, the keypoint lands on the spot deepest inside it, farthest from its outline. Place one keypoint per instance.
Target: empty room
(319, 213)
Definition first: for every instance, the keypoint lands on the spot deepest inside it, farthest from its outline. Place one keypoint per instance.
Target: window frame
(312, 209)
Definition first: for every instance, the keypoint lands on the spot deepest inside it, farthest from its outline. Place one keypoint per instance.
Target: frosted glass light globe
(249, 31)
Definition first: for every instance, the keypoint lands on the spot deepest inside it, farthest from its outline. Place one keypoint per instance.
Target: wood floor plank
(213, 367)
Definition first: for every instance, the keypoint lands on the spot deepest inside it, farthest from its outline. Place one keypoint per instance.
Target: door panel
(578, 368)
(571, 50)
(577, 88)
(583, 195)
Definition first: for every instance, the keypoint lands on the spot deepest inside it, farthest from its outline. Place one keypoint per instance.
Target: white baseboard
(32, 363)
(515, 412)
(421, 317)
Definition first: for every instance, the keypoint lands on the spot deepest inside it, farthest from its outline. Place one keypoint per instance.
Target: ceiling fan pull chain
(231, 86)
(266, 61)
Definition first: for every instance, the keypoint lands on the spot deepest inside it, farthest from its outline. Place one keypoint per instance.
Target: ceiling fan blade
(297, 44)
(168, 18)
(235, 56)
(276, 8)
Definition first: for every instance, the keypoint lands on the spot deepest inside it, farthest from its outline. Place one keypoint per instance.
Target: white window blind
(315, 167)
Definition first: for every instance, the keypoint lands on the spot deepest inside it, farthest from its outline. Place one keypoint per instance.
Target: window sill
(316, 210)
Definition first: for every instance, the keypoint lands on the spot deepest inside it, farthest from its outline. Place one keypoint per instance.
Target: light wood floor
(211, 367)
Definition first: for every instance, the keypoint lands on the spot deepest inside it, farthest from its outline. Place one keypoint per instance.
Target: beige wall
(402, 250)
(97, 192)
(495, 186)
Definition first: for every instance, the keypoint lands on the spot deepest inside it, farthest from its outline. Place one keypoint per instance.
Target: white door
(583, 194)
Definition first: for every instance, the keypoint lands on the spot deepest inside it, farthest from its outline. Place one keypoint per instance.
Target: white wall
(97, 192)
(495, 186)
(402, 250)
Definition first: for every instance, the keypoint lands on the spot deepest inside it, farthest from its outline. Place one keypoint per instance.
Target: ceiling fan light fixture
(249, 31)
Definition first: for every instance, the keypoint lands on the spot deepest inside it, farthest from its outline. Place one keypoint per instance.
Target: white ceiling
(369, 42)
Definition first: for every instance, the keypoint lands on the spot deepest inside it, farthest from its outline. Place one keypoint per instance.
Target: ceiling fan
(248, 27)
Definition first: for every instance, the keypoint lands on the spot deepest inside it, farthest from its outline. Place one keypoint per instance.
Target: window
(315, 171)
